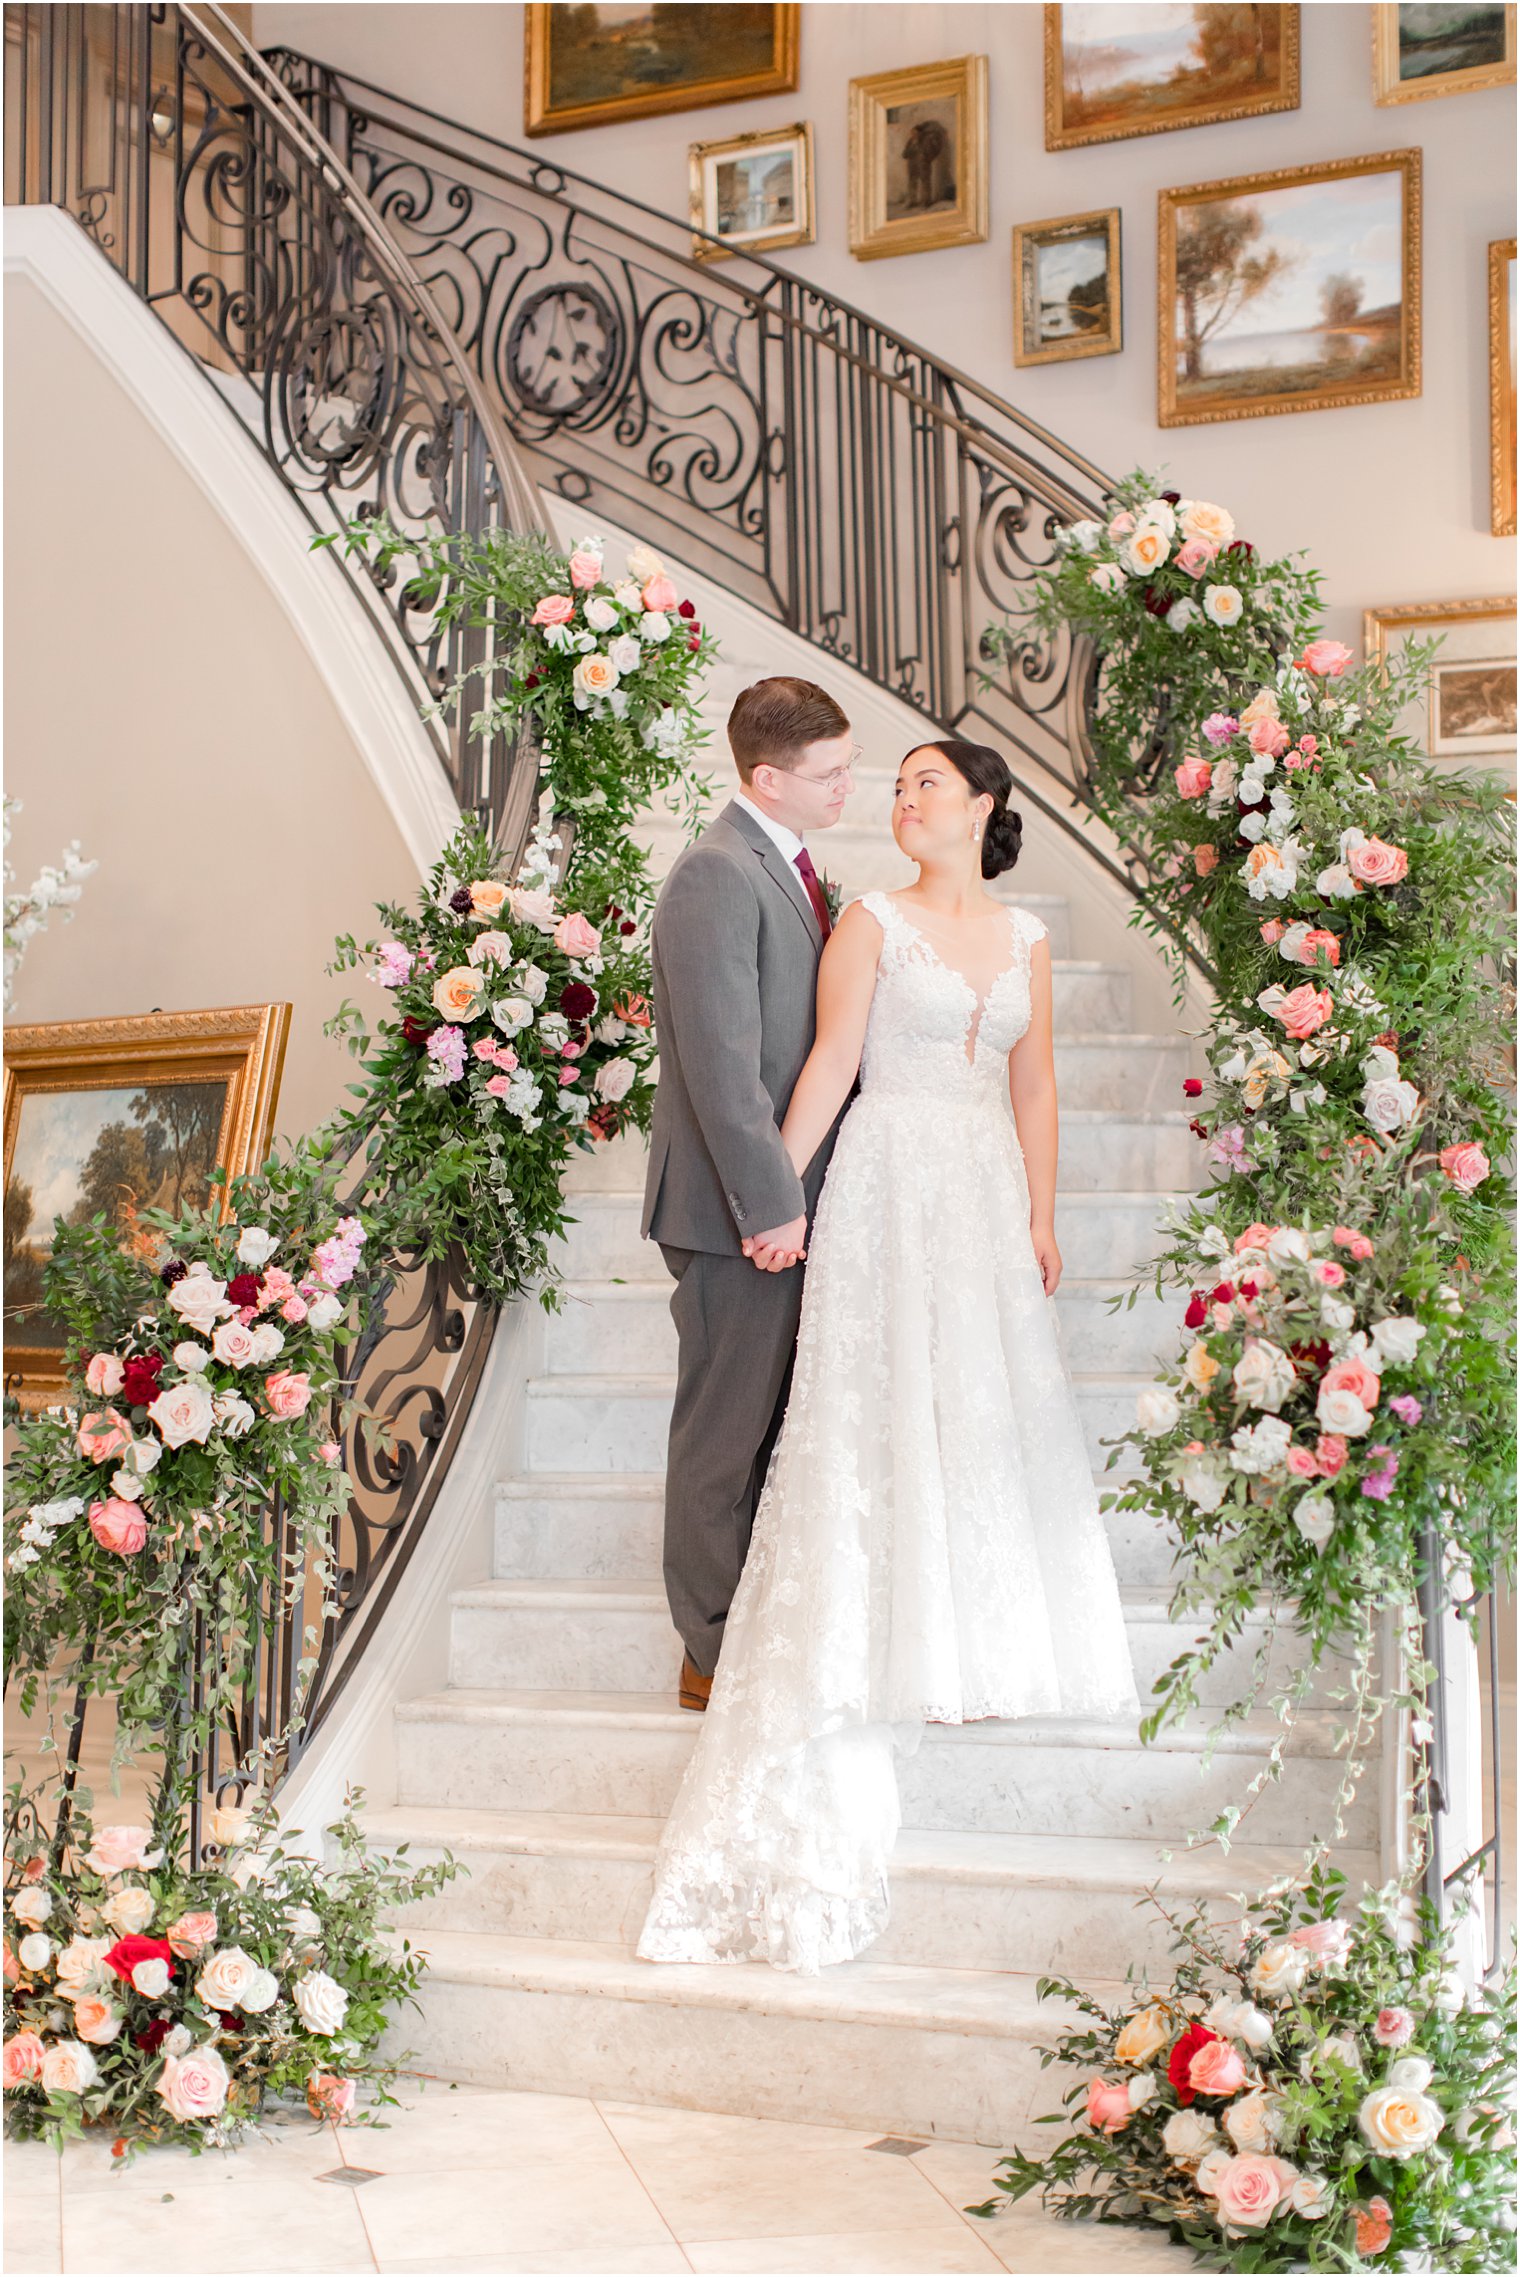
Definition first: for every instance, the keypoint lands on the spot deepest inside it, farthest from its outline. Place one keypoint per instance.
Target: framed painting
(1150, 68)
(752, 193)
(918, 159)
(121, 1116)
(1067, 295)
(591, 66)
(1422, 51)
(1501, 387)
(1297, 290)
(1465, 712)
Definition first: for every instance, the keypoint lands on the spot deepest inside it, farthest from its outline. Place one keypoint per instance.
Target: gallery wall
(1391, 499)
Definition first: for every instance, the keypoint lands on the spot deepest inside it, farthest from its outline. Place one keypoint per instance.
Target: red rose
(1156, 604)
(1225, 1293)
(1178, 2062)
(1197, 1312)
(687, 609)
(139, 1379)
(628, 926)
(1248, 1289)
(577, 1001)
(417, 1031)
(243, 1289)
(128, 1951)
(1192, 1087)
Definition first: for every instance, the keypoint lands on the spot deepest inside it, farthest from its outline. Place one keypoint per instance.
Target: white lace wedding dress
(929, 1544)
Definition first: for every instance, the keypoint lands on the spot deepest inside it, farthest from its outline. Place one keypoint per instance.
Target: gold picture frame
(740, 205)
(918, 141)
(1466, 711)
(1096, 319)
(80, 1127)
(1074, 118)
(1348, 353)
(579, 74)
(1502, 328)
(1391, 85)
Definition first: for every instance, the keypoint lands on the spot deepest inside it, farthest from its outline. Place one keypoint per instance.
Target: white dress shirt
(788, 840)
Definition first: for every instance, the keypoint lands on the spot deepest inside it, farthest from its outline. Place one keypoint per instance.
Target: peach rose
(1205, 859)
(1121, 525)
(1108, 2108)
(68, 2068)
(23, 2055)
(130, 1909)
(1211, 523)
(191, 1934)
(1400, 2122)
(553, 609)
(585, 569)
(488, 898)
(1374, 2227)
(1353, 1375)
(633, 1009)
(329, 2096)
(1375, 862)
(1194, 557)
(574, 937)
(1216, 2069)
(1143, 2036)
(96, 2020)
(103, 1375)
(1326, 658)
(1193, 778)
(118, 1526)
(1263, 705)
(103, 1436)
(595, 675)
(660, 594)
(1318, 943)
(1466, 1165)
(194, 2085)
(288, 1392)
(1304, 1009)
(457, 993)
(1146, 550)
(1268, 738)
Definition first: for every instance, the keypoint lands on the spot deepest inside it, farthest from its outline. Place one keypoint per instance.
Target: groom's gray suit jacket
(735, 951)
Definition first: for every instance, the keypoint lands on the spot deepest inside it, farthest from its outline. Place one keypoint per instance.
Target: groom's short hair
(772, 723)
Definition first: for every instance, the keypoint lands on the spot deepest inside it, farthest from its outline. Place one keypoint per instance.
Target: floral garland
(168, 2004)
(1312, 2091)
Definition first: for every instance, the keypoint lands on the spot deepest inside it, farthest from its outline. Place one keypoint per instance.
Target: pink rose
(1269, 738)
(1326, 658)
(553, 609)
(1108, 2110)
(103, 1375)
(191, 1934)
(103, 1437)
(1249, 2189)
(96, 2020)
(121, 1850)
(1205, 859)
(1328, 1274)
(329, 2096)
(1121, 525)
(1394, 2028)
(194, 2085)
(288, 1392)
(574, 937)
(1193, 778)
(1375, 862)
(1216, 2069)
(1317, 943)
(1272, 931)
(660, 594)
(275, 1288)
(498, 1086)
(532, 908)
(1353, 1375)
(118, 1526)
(1465, 1165)
(1194, 557)
(568, 1075)
(1301, 1463)
(294, 1310)
(586, 570)
(1347, 1237)
(330, 1453)
(1304, 1009)
(1328, 1943)
(484, 1047)
(23, 2059)
(1330, 1454)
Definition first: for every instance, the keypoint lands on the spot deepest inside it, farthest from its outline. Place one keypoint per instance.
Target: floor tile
(30, 2171)
(577, 2261)
(33, 2234)
(439, 2128)
(965, 2174)
(916, 2253)
(303, 2147)
(642, 2125)
(532, 2206)
(258, 2227)
(1039, 2246)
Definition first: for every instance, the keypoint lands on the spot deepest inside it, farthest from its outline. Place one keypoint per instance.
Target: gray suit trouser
(738, 1334)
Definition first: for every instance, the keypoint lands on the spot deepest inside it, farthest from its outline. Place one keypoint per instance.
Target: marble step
(1106, 1233)
(872, 2044)
(1034, 1902)
(622, 1423)
(580, 1635)
(612, 1527)
(606, 1753)
(607, 1325)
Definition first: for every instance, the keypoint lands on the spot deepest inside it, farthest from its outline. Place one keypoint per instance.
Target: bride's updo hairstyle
(987, 773)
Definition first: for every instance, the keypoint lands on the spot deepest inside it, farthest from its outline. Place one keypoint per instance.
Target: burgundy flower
(1197, 1312)
(1247, 552)
(1312, 1356)
(1251, 806)
(1199, 1130)
(628, 926)
(687, 609)
(612, 910)
(462, 901)
(128, 1951)
(139, 1379)
(417, 1031)
(153, 2034)
(231, 2019)
(1172, 497)
(695, 641)
(243, 1289)
(175, 1270)
(532, 679)
(1192, 1087)
(577, 1001)
(1157, 604)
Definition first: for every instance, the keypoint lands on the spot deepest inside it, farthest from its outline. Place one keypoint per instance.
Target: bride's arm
(1032, 1088)
(846, 984)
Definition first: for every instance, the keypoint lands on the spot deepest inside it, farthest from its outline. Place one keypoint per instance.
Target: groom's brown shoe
(694, 1686)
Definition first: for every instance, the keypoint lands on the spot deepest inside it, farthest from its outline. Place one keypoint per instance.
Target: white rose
(151, 1979)
(627, 595)
(226, 1978)
(595, 675)
(1411, 2072)
(130, 1910)
(1083, 536)
(262, 1993)
(1182, 615)
(654, 626)
(644, 563)
(321, 2002)
(1264, 1376)
(1142, 2089)
(1288, 1245)
(256, 1245)
(1336, 883)
(227, 1824)
(1399, 2122)
(600, 614)
(1202, 1483)
(1158, 515)
(1156, 1410)
(1390, 1105)
(34, 1952)
(141, 1457)
(200, 1301)
(31, 1906)
(1279, 1970)
(233, 1344)
(533, 984)
(1341, 1413)
(1108, 577)
(1189, 2136)
(1212, 2164)
(268, 1343)
(324, 1311)
(1380, 1061)
(68, 2068)
(81, 1966)
(1396, 1340)
(176, 2042)
(127, 1485)
(1254, 2122)
(625, 653)
(191, 1358)
(1222, 604)
(1310, 2197)
(613, 1080)
(234, 1415)
(1314, 1516)
(1145, 551)
(1240, 2020)
(512, 1013)
(183, 1412)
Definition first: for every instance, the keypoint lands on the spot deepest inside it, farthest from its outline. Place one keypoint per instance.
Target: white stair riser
(573, 1430)
(618, 1328)
(563, 1648)
(961, 1783)
(555, 1537)
(906, 2078)
(937, 1920)
(1101, 1236)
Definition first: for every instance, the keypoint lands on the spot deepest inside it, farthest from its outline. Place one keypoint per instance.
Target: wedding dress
(928, 1545)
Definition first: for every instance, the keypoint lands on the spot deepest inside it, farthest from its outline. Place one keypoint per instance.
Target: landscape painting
(1446, 50)
(1149, 68)
(752, 193)
(1066, 288)
(1292, 291)
(1472, 707)
(587, 65)
(1461, 710)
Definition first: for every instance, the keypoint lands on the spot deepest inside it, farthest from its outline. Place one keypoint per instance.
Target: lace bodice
(929, 1031)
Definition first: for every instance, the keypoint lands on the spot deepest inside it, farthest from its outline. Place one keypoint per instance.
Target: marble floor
(483, 2180)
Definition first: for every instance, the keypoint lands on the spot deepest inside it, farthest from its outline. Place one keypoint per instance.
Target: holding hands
(782, 1247)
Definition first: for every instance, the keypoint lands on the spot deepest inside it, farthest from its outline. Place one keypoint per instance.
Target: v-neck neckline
(979, 1001)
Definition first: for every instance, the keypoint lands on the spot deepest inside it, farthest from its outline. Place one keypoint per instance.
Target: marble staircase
(547, 1762)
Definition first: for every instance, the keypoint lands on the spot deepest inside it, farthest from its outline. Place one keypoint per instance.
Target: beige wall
(1391, 499)
(160, 707)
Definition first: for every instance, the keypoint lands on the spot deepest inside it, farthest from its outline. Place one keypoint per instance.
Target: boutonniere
(833, 897)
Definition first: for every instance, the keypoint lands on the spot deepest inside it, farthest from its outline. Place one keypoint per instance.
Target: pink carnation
(1394, 2028)
(1220, 726)
(1407, 1408)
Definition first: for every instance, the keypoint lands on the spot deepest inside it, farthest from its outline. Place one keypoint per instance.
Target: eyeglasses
(837, 778)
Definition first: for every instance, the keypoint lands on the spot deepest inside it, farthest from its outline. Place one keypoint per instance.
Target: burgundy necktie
(809, 877)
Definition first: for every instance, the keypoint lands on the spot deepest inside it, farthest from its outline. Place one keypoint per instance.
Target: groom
(738, 930)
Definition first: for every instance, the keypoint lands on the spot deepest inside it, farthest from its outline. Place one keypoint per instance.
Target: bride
(928, 1547)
